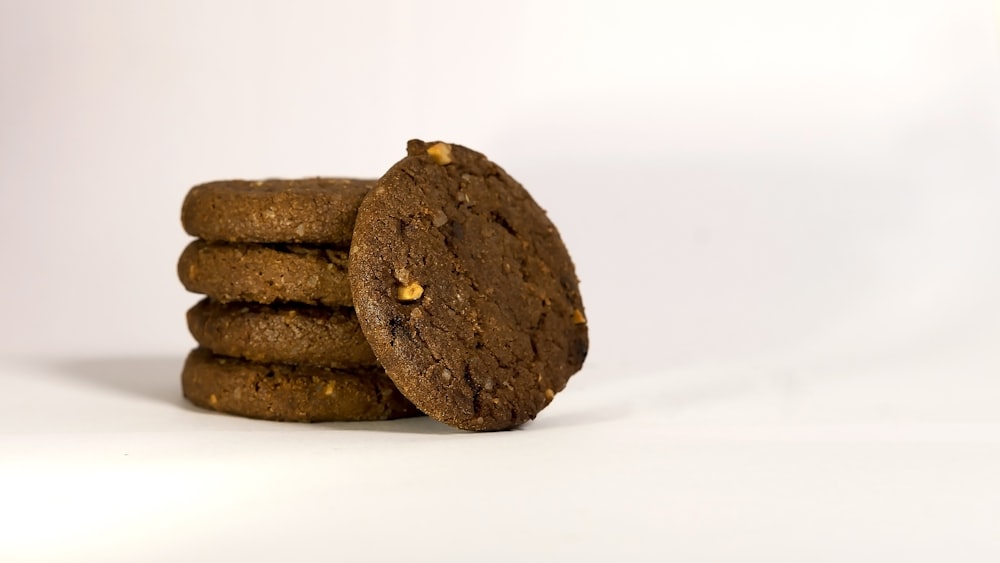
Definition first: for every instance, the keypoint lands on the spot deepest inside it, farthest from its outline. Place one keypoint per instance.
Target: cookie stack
(278, 336)
(461, 288)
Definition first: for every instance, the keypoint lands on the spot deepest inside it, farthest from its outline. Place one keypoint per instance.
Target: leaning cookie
(308, 210)
(287, 334)
(465, 290)
(266, 273)
(290, 393)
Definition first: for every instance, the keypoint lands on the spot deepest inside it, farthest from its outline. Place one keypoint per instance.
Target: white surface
(784, 216)
(103, 461)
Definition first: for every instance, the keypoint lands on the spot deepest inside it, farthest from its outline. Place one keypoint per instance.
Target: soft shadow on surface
(664, 393)
(415, 425)
(158, 378)
(149, 377)
(554, 420)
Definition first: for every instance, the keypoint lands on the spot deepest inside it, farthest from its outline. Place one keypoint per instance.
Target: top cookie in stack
(279, 339)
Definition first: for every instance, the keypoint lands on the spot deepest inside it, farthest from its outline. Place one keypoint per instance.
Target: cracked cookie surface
(465, 290)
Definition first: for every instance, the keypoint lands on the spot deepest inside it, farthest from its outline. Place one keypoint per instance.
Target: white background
(784, 217)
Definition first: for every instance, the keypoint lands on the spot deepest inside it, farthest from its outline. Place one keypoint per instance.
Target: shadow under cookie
(148, 377)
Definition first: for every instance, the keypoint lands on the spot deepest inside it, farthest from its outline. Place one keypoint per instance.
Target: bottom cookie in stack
(277, 337)
(296, 393)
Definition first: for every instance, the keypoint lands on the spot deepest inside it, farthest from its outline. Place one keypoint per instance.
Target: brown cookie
(288, 334)
(292, 393)
(465, 290)
(309, 210)
(266, 273)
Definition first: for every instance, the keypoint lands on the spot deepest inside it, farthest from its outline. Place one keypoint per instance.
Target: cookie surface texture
(288, 334)
(266, 273)
(308, 210)
(465, 290)
(290, 393)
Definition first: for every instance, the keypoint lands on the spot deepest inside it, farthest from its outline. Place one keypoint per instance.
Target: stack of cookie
(278, 336)
(461, 287)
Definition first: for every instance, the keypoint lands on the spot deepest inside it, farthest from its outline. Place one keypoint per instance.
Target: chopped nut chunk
(409, 292)
(440, 152)
(439, 218)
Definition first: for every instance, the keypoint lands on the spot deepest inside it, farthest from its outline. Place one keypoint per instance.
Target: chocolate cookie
(310, 210)
(281, 333)
(292, 393)
(266, 273)
(465, 290)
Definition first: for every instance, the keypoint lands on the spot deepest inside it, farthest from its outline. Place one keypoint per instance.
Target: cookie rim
(403, 375)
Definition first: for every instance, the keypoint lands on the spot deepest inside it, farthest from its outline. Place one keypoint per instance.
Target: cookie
(309, 210)
(292, 393)
(289, 334)
(464, 290)
(266, 273)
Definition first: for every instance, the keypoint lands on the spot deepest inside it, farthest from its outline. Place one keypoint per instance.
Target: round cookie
(291, 393)
(266, 273)
(308, 210)
(465, 290)
(281, 333)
